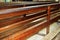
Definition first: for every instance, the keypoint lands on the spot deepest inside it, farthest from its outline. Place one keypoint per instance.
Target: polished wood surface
(23, 25)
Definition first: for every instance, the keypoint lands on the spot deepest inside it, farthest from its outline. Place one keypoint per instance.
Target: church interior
(29, 19)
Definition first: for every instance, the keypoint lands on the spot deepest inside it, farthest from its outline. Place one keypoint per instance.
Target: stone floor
(57, 37)
(36, 37)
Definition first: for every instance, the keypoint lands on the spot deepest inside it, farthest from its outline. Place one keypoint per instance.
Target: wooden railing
(21, 23)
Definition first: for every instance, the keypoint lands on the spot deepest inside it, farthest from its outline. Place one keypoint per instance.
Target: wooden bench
(27, 25)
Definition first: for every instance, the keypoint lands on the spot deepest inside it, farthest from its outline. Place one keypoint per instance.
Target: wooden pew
(18, 18)
(29, 31)
(22, 32)
(8, 5)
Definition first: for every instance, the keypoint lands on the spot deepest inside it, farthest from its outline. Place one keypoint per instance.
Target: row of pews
(9, 5)
(21, 23)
